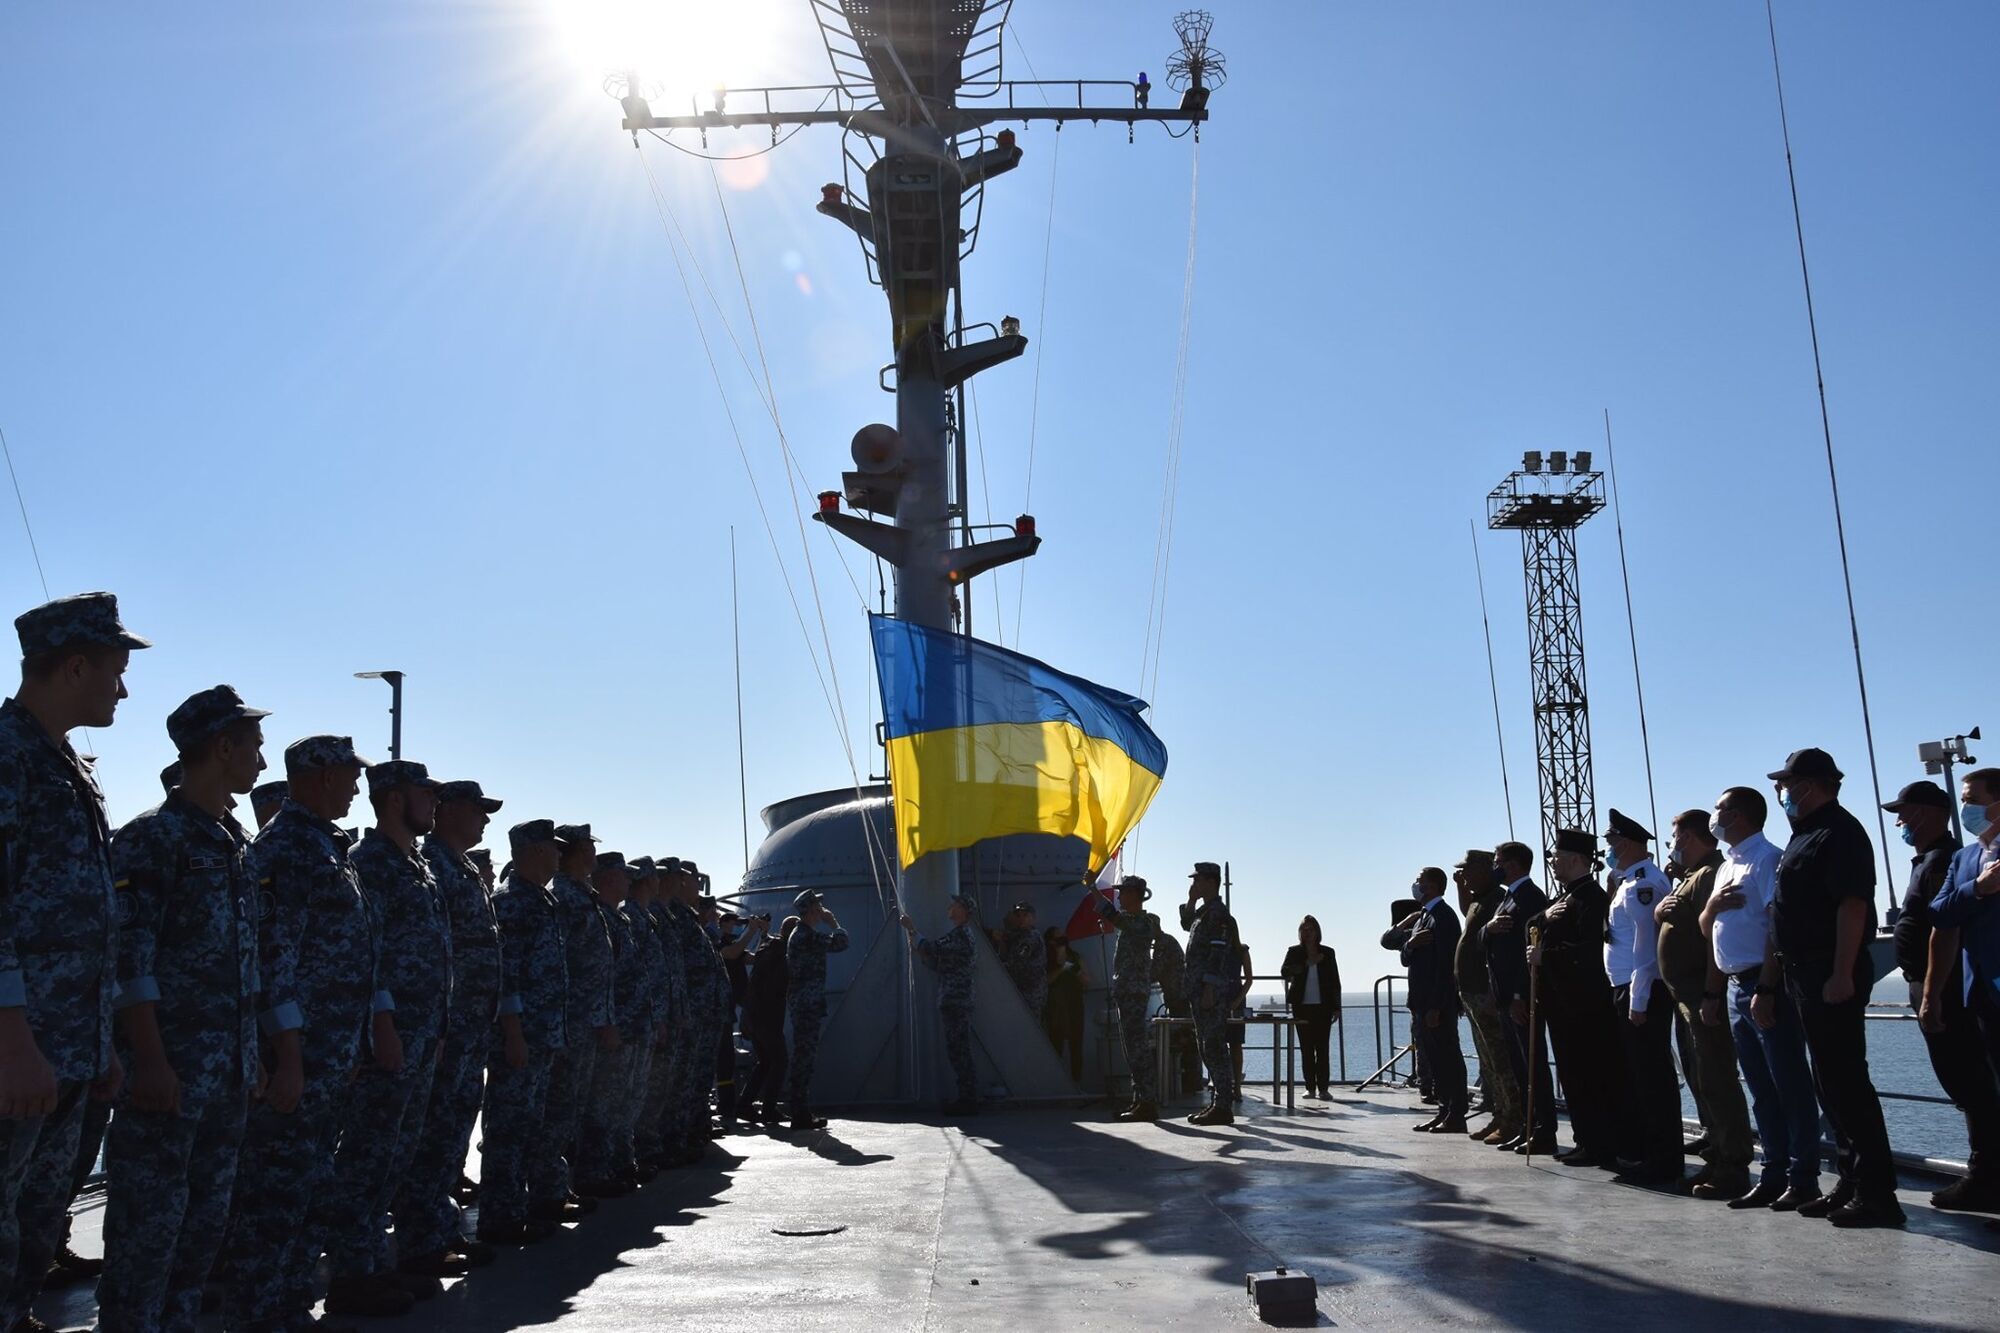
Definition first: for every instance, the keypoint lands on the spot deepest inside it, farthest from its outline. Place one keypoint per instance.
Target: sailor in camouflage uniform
(952, 956)
(1212, 970)
(707, 989)
(318, 947)
(534, 1008)
(645, 1025)
(1026, 959)
(604, 1165)
(187, 1022)
(385, 1109)
(656, 1137)
(1132, 991)
(265, 800)
(805, 996)
(57, 923)
(428, 1226)
(587, 940)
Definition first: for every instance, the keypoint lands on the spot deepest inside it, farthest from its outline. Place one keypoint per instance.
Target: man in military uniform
(1577, 1003)
(764, 1024)
(1132, 992)
(1684, 960)
(385, 1110)
(1506, 938)
(604, 1168)
(318, 950)
(57, 953)
(532, 1028)
(1478, 895)
(1211, 981)
(1650, 1139)
(482, 861)
(591, 1025)
(266, 798)
(429, 1238)
(646, 1026)
(652, 1139)
(187, 1021)
(1026, 958)
(805, 996)
(694, 1040)
(1170, 975)
(951, 955)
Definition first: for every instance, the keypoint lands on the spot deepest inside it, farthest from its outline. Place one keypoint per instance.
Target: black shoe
(421, 1286)
(603, 1189)
(1730, 1188)
(1822, 1205)
(1766, 1194)
(576, 1200)
(476, 1253)
(1428, 1125)
(1195, 1119)
(1451, 1126)
(501, 1233)
(1696, 1146)
(1537, 1148)
(1968, 1196)
(70, 1267)
(436, 1264)
(1217, 1114)
(366, 1298)
(1859, 1213)
(1807, 1201)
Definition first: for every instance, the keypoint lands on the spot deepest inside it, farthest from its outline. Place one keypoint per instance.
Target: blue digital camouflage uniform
(57, 945)
(604, 1141)
(427, 1219)
(707, 990)
(1211, 980)
(1026, 959)
(805, 1000)
(318, 947)
(951, 955)
(649, 1014)
(384, 1115)
(1132, 992)
(587, 939)
(534, 983)
(187, 945)
(656, 1111)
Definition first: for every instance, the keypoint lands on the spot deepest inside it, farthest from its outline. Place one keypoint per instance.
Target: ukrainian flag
(983, 742)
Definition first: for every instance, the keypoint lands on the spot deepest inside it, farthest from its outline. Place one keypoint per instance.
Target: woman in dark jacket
(1312, 989)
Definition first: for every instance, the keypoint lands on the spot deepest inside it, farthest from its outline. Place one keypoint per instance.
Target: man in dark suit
(1427, 942)
(1506, 936)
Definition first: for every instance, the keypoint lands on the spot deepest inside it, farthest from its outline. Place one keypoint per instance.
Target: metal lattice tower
(905, 72)
(1546, 503)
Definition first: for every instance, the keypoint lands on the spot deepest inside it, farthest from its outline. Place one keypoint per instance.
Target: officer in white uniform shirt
(1645, 1009)
(1743, 975)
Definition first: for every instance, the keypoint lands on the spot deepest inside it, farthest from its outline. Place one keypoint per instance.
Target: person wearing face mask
(1427, 942)
(1710, 1061)
(1823, 915)
(1969, 903)
(1576, 997)
(1652, 1130)
(1505, 935)
(1928, 955)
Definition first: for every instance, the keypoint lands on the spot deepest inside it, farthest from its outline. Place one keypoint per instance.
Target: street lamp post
(395, 679)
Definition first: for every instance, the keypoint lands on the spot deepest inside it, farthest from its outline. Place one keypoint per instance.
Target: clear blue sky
(347, 338)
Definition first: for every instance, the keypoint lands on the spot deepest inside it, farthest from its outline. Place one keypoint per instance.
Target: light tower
(917, 166)
(1546, 502)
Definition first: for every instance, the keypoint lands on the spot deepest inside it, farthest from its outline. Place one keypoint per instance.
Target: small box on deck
(1283, 1297)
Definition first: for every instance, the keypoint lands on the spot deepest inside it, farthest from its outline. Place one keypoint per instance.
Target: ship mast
(920, 160)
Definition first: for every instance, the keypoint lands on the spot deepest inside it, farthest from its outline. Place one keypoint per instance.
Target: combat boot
(436, 1264)
(1199, 1117)
(423, 1286)
(1217, 1113)
(1140, 1111)
(367, 1298)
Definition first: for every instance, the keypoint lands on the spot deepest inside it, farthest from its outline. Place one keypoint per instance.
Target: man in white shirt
(1742, 968)
(1645, 1009)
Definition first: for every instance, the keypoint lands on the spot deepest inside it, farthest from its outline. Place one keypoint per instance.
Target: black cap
(690, 868)
(1624, 826)
(573, 835)
(1808, 763)
(1576, 840)
(531, 832)
(1023, 906)
(1919, 794)
(612, 861)
(466, 790)
(1208, 869)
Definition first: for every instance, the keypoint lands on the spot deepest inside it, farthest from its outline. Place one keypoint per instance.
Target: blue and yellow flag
(983, 742)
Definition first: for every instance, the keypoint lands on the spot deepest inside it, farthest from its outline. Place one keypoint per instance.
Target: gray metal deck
(1036, 1219)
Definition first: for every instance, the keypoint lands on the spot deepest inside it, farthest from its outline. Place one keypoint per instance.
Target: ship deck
(1052, 1219)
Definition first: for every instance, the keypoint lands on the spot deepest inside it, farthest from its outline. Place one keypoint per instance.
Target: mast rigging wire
(1631, 630)
(1832, 476)
(1041, 347)
(736, 643)
(22, 500)
(1163, 542)
(1492, 678)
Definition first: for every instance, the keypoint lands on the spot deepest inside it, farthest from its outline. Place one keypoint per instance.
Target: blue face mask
(1611, 861)
(1974, 818)
(1790, 805)
(1910, 836)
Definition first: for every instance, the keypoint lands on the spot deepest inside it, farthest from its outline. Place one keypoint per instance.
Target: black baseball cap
(1808, 763)
(1919, 794)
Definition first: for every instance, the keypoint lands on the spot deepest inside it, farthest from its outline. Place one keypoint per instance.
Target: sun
(682, 48)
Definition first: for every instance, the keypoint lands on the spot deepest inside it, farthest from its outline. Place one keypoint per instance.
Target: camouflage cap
(690, 868)
(806, 901)
(612, 861)
(466, 790)
(87, 620)
(1135, 884)
(323, 752)
(573, 835)
(203, 714)
(396, 774)
(531, 832)
(170, 776)
(968, 902)
(1206, 870)
(641, 867)
(480, 857)
(268, 793)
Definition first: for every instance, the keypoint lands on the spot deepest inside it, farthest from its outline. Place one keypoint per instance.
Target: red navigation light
(830, 195)
(1004, 138)
(829, 502)
(1024, 526)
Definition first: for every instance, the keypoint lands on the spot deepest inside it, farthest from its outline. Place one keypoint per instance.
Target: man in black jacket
(1427, 942)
